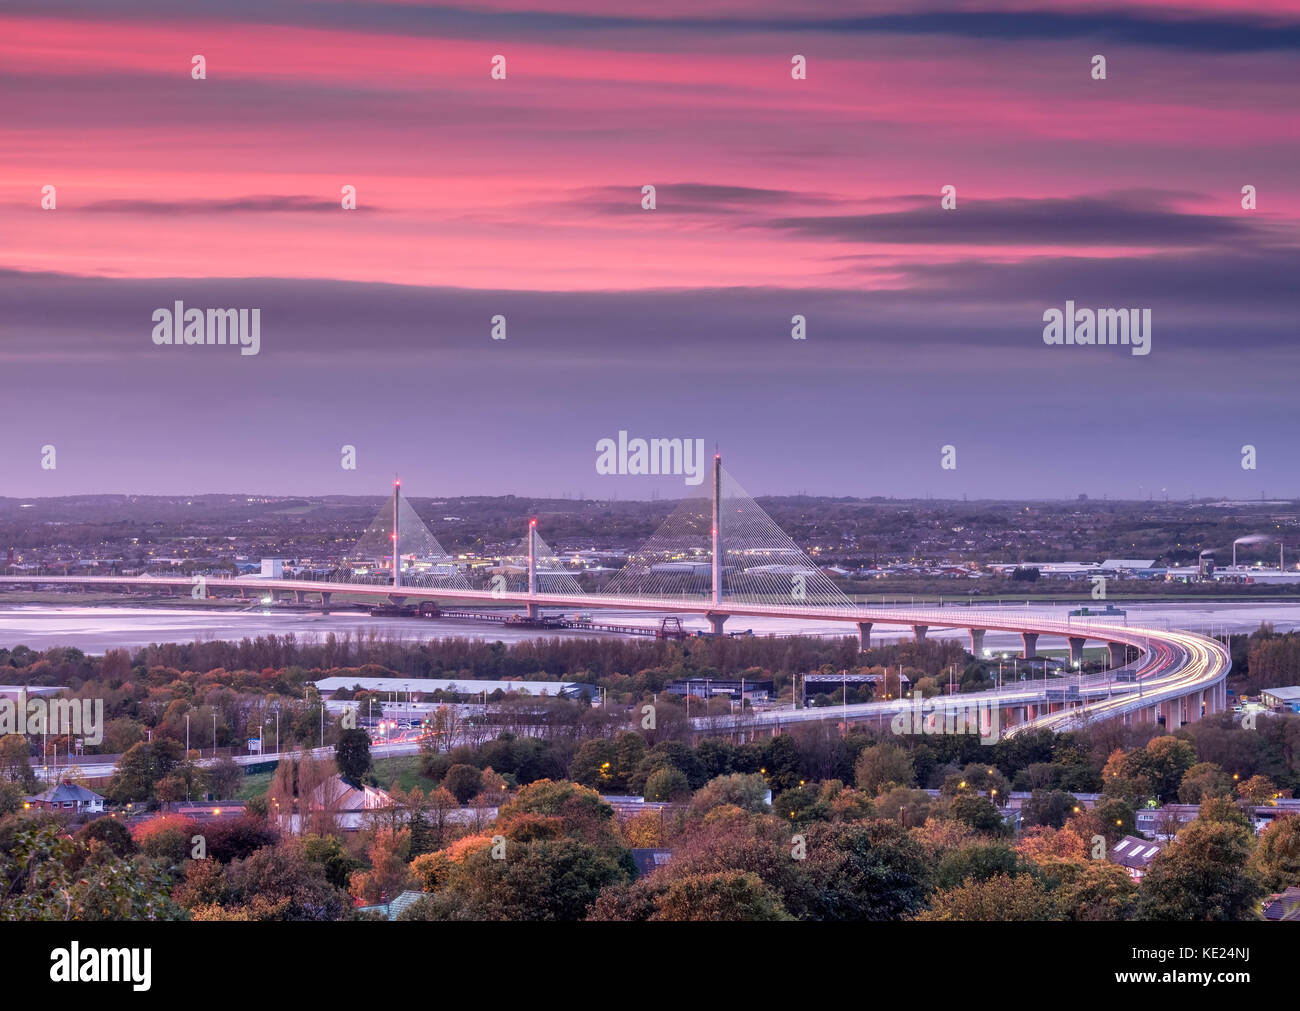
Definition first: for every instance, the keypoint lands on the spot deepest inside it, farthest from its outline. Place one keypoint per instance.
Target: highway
(1172, 664)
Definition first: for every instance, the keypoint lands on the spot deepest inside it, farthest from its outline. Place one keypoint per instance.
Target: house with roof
(1284, 905)
(649, 859)
(350, 805)
(68, 796)
(391, 910)
(1134, 855)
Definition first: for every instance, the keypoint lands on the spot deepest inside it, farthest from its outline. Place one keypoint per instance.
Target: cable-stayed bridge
(723, 557)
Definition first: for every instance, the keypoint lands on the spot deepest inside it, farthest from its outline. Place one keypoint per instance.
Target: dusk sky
(522, 197)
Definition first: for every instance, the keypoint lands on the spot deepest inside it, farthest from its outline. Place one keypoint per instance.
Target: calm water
(96, 629)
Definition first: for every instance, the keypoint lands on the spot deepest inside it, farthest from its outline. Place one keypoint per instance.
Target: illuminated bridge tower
(534, 610)
(716, 621)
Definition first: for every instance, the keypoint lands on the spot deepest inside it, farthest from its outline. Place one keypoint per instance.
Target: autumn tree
(1257, 790)
(1089, 890)
(388, 874)
(1277, 857)
(1001, 898)
(1203, 781)
(1041, 844)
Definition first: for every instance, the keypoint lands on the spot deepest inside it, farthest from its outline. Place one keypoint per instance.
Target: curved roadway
(1173, 664)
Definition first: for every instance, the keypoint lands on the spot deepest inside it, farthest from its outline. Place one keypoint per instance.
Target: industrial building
(1287, 699)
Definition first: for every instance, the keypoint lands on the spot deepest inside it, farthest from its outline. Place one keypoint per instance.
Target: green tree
(352, 754)
(1162, 763)
(667, 784)
(1048, 807)
(863, 870)
(108, 832)
(281, 883)
(976, 861)
(12, 797)
(1204, 874)
(546, 879)
(463, 782)
(802, 804)
(15, 762)
(1090, 890)
(1112, 817)
(141, 767)
(1202, 781)
(881, 765)
(723, 897)
(37, 882)
(608, 765)
(747, 791)
(909, 808)
(575, 810)
(224, 778)
(977, 812)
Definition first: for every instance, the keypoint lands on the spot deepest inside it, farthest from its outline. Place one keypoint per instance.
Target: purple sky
(775, 197)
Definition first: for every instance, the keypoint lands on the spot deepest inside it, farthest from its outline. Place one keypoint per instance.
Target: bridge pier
(976, 642)
(919, 631)
(533, 611)
(716, 621)
(1030, 640)
(396, 599)
(300, 596)
(1076, 648)
(1118, 653)
(325, 602)
(864, 635)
